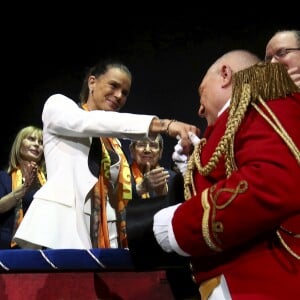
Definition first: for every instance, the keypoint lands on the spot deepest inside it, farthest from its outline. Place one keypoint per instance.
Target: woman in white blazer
(59, 216)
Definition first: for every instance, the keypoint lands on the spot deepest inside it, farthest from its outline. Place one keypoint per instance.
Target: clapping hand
(155, 180)
(29, 174)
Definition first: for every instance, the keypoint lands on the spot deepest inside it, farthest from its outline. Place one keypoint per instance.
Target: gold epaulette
(266, 80)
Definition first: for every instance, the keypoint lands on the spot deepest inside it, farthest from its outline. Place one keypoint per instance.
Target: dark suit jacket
(145, 251)
(7, 218)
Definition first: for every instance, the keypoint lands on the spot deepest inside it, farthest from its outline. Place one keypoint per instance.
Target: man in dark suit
(154, 187)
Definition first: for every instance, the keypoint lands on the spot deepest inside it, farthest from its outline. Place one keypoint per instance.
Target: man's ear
(226, 73)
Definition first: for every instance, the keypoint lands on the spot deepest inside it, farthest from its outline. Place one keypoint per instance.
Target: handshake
(180, 159)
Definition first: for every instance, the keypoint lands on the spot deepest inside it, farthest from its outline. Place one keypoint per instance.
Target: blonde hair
(15, 155)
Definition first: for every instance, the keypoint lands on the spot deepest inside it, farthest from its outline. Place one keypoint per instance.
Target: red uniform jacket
(235, 234)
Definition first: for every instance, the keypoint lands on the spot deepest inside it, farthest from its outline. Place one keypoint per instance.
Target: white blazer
(59, 215)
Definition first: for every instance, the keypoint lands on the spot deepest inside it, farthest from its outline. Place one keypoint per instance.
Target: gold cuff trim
(206, 288)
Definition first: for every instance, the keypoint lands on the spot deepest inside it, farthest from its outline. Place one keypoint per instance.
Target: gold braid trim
(205, 222)
(261, 81)
(277, 126)
(285, 245)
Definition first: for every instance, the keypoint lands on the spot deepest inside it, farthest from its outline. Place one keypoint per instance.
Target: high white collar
(226, 105)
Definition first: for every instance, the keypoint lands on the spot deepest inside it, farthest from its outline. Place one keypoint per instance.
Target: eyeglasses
(280, 53)
(153, 146)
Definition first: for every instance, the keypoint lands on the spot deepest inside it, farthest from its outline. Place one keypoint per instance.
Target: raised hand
(155, 180)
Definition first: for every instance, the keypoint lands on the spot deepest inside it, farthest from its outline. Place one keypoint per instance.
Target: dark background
(48, 52)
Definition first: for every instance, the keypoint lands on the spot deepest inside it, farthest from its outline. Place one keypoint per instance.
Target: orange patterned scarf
(17, 180)
(138, 177)
(120, 195)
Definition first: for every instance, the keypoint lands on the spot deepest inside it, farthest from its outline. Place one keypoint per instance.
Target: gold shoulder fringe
(267, 80)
